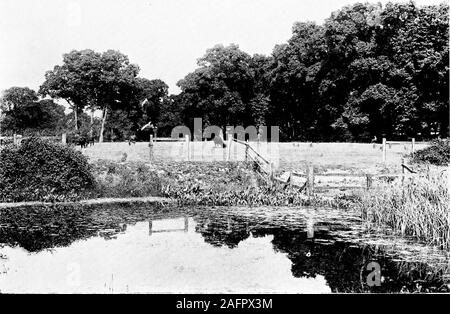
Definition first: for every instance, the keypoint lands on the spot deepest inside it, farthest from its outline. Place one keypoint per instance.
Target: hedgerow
(438, 153)
(39, 170)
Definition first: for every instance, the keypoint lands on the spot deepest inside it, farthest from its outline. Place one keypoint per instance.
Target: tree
(73, 81)
(12, 104)
(25, 114)
(367, 71)
(155, 93)
(222, 89)
(295, 71)
(88, 79)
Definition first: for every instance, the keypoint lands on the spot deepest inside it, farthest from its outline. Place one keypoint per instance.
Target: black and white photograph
(218, 148)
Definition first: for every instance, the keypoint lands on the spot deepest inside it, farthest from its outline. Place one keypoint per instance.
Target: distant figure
(219, 142)
(132, 139)
(260, 133)
(80, 140)
(91, 140)
(83, 142)
(375, 139)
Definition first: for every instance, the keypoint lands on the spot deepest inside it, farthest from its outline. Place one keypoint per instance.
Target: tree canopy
(367, 71)
(24, 113)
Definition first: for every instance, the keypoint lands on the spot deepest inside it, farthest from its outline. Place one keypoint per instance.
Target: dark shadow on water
(343, 264)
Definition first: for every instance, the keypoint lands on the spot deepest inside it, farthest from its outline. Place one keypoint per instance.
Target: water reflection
(131, 248)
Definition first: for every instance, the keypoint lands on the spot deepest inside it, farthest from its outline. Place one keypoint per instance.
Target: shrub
(438, 153)
(39, 170)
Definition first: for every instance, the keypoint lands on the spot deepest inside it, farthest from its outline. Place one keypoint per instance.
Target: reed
(418, 207)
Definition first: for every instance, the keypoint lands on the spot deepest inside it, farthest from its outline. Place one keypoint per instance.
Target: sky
(164, 37)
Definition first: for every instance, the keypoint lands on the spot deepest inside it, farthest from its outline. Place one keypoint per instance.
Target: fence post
(403, 171)
(271, 171)
(187, 147)
(246, 150)
(384, 149)
(64, 138)
(150, 147)
(229, 139)
(368, 181)
(413, 145)
(310, 180)
(15, 139)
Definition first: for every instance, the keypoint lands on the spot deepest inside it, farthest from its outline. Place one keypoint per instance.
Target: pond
(151, 249)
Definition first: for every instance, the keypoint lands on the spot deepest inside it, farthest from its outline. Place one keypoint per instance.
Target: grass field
(352, 157)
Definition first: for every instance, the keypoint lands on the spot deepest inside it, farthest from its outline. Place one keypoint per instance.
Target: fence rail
(311, 177)
(17, 138)
(264, 164)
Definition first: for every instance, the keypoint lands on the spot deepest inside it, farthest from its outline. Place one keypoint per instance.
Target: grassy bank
(231, 184)
(125, 179)
(419, 208)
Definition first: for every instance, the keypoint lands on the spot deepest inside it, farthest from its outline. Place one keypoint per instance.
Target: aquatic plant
(420, 207)
(230, 184)
(126, 179)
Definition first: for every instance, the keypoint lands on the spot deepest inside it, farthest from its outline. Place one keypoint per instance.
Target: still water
(132, 248)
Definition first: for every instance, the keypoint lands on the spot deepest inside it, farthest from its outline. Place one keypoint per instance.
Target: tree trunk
(105, 112)
(92, 123)
(75, 111)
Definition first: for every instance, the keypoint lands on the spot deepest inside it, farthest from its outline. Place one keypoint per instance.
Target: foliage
(418, 209)
(228, 184)
(39, 170)
(223, 89)
(125, 179)
(438, 153)
(93, 80)
(367, 71)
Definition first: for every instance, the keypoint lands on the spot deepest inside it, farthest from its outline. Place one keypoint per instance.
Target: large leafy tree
(295, 71)
(147, 103)
(222, 90)
(367, 71)
(98, 81)
(22, 112)
(12, 104)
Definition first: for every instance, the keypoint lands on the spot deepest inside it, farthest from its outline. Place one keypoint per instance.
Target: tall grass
(420, 207)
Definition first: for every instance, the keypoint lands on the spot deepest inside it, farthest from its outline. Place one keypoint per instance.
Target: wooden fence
(310, 177)
(263, 163)
(16, 139)
(385, 144)
(368, 179)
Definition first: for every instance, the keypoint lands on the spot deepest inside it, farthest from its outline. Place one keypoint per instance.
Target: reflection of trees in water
(44, 227)
(342, 264)
(222, 230)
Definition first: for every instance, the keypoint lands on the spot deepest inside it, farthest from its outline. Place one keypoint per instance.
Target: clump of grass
(419, 208)
(130, 179)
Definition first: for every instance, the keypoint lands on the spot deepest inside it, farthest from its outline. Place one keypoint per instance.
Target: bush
(39, 170)
(437, 154)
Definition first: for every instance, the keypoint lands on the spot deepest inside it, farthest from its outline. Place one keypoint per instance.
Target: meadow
(353, 157)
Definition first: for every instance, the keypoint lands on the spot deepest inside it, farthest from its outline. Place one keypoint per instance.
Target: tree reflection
(307, 244)
(344, 265)
(44, 227)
